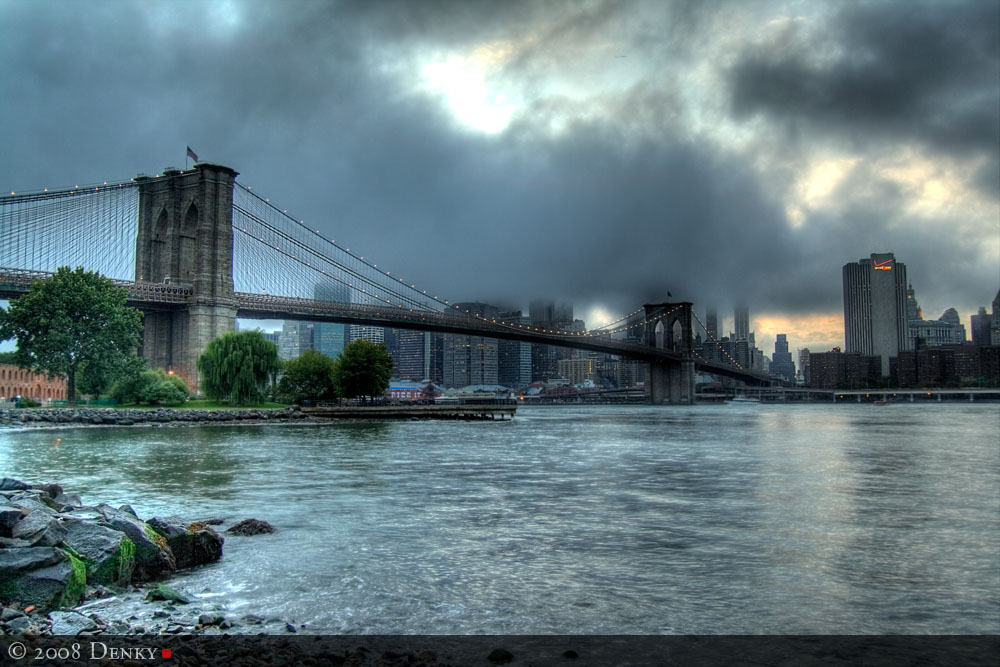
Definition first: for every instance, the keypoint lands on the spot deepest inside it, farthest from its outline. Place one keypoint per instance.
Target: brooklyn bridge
(196, 249)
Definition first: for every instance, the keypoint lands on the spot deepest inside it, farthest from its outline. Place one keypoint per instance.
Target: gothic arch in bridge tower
(670, 378)
(187, 249)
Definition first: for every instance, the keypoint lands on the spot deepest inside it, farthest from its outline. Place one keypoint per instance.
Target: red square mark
(165, 653)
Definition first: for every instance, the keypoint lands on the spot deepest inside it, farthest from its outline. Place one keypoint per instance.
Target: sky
(602, 153)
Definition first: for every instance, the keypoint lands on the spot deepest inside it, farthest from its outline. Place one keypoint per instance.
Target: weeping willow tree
(237, 367)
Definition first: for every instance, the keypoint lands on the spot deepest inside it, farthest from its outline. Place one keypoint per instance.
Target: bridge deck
(160, 296)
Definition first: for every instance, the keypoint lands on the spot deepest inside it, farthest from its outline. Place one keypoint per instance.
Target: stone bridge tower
(185, 237)
(670, 381)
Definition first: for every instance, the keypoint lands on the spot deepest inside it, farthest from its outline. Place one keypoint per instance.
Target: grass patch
(203, 404)
(206, 404)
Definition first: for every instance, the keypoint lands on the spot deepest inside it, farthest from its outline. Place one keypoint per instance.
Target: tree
(310, 377)
(101, 376)
(237, 366)
(153, 386)
(363, 369)
(74, 319)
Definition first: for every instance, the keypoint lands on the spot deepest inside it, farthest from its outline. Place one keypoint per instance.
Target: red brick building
(16, 381)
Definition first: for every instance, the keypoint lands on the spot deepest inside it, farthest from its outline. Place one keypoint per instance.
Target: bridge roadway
(160, 296)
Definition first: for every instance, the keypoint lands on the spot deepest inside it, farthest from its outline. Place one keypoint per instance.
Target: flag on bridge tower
(191, 154)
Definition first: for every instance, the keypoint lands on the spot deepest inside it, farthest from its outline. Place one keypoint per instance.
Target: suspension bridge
(196, 249)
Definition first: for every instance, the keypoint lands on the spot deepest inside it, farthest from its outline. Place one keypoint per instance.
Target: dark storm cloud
(914, 71)
(312, 103)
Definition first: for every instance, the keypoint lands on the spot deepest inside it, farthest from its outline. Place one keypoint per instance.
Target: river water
(594, 519)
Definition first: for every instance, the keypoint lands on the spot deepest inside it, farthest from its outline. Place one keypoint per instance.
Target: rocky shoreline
(70, 569)
(37, 417)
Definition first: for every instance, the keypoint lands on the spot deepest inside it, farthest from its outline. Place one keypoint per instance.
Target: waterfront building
(365, 332)
(995, 321)
(329, 338)
(947, 365)
(294, 339)
(390, 338)
(437, 358)
(875, 307)
(471, 359)
(980, 327)
(781, 361)
(986, 328)
(945, 330)
(547, 314)
(578, 371)
(827, 370)
(861, 370)
(803, 376)
(15, 381)
(836, 369)
(514, 357)
(414, 352)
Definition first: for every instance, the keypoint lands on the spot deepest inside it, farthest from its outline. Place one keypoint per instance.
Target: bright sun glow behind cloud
(465, 85)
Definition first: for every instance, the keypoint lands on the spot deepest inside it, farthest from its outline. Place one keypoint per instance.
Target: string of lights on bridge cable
(710, 336)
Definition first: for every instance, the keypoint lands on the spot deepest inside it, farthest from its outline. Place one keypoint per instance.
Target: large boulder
(14, 562)
(192, 544)
(32, 501)
(11, 484)
(39, 529)
(61, 584)
(153, 556)
(108, 553)
(9, 516)
(251, 527)
(71, 623)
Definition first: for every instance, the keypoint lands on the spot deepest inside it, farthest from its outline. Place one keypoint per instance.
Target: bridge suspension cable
(312, 265)
(709, 336)
(93, 226)
(305, 264)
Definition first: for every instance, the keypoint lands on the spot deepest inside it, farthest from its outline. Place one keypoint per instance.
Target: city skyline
(595, 153)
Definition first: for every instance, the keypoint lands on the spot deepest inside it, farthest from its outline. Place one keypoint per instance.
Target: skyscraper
(373, 334)
(471, 359)
(329, 337)
(875, 307)
(295, 338)
(804, 366)
(414, 355)
(712, 322)
(981, 327)
(514, 357)
(781, 361)
(741, 317)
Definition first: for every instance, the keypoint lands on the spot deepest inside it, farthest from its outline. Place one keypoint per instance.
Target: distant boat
(744, 399)
(880, 401)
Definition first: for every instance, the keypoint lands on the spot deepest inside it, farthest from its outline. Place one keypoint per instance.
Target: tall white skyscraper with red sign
(875, 307)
